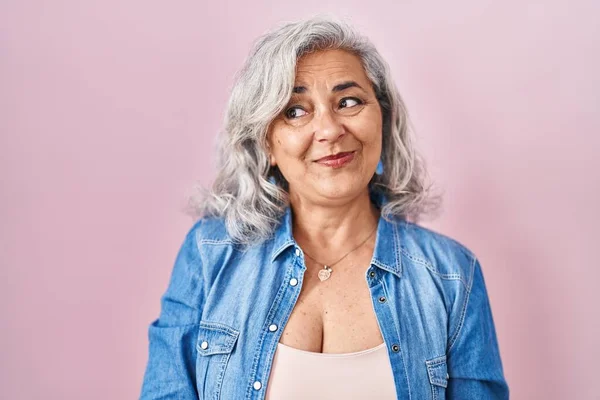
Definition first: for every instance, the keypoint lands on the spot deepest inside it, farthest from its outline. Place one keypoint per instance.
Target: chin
(340, 191)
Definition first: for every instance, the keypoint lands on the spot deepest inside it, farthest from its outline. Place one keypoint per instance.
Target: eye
(348, 102)
(295, 112)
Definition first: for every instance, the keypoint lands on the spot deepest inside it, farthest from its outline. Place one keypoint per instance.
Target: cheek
(292, 144)
(369, 129)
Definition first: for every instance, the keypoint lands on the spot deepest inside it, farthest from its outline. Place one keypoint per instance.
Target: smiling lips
(337, 160)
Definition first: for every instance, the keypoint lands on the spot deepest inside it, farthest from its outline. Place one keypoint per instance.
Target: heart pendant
(325, 273)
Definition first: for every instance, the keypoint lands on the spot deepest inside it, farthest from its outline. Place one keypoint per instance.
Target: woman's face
(333, 112)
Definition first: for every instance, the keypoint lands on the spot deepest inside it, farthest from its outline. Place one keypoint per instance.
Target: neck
(334, 228)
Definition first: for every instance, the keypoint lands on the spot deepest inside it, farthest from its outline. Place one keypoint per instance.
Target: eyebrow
(337, 88)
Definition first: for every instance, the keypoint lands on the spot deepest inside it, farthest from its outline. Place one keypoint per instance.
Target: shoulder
(440, 253)
(202, 236)
(208, 247)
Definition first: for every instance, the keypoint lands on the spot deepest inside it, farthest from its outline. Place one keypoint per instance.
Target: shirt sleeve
(474, 364)
(170, 370)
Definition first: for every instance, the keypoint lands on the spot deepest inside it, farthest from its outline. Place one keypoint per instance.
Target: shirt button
(382, 299)
(372, 274)
(257, 385)
(204, 345)
(298, 252)
(293, 281)
(273, 328)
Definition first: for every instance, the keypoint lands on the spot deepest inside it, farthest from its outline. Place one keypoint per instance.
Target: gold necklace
(326, 271)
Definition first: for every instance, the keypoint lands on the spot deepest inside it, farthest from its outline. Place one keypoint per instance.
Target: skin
(332, 212)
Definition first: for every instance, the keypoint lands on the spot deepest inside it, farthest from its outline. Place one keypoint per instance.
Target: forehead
(330, 64)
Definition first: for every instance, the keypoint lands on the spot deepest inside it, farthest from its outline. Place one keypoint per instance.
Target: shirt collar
(283, 234)
(387, 243)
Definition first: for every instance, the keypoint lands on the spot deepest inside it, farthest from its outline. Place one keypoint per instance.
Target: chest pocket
(216, 342)
(437, 370)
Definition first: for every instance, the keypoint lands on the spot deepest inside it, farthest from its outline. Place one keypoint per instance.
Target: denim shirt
(226, 306)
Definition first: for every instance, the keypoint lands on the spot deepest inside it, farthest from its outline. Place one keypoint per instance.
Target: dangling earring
(271, 177)
(379, 169)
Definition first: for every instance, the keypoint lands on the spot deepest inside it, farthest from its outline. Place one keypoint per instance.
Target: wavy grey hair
(243, 193)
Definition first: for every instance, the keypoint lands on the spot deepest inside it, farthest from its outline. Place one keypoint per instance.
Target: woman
(304, 278)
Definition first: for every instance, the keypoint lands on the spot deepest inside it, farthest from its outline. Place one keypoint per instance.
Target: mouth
(337, 160)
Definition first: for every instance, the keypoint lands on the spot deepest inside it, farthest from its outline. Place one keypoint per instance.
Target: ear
(270, 152)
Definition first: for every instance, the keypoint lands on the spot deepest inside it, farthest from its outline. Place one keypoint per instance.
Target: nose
(328, 128)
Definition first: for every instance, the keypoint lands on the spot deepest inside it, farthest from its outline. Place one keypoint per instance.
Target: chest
(336, 315)
(248, 311)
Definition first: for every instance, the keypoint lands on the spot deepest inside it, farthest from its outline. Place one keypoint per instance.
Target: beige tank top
(297, 374)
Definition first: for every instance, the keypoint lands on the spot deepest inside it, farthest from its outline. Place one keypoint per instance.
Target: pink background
(108, 113)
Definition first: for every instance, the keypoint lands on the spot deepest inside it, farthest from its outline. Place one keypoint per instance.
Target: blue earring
(272, 180)
(379, 169)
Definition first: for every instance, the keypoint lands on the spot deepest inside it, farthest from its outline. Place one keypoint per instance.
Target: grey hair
(242, 192)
